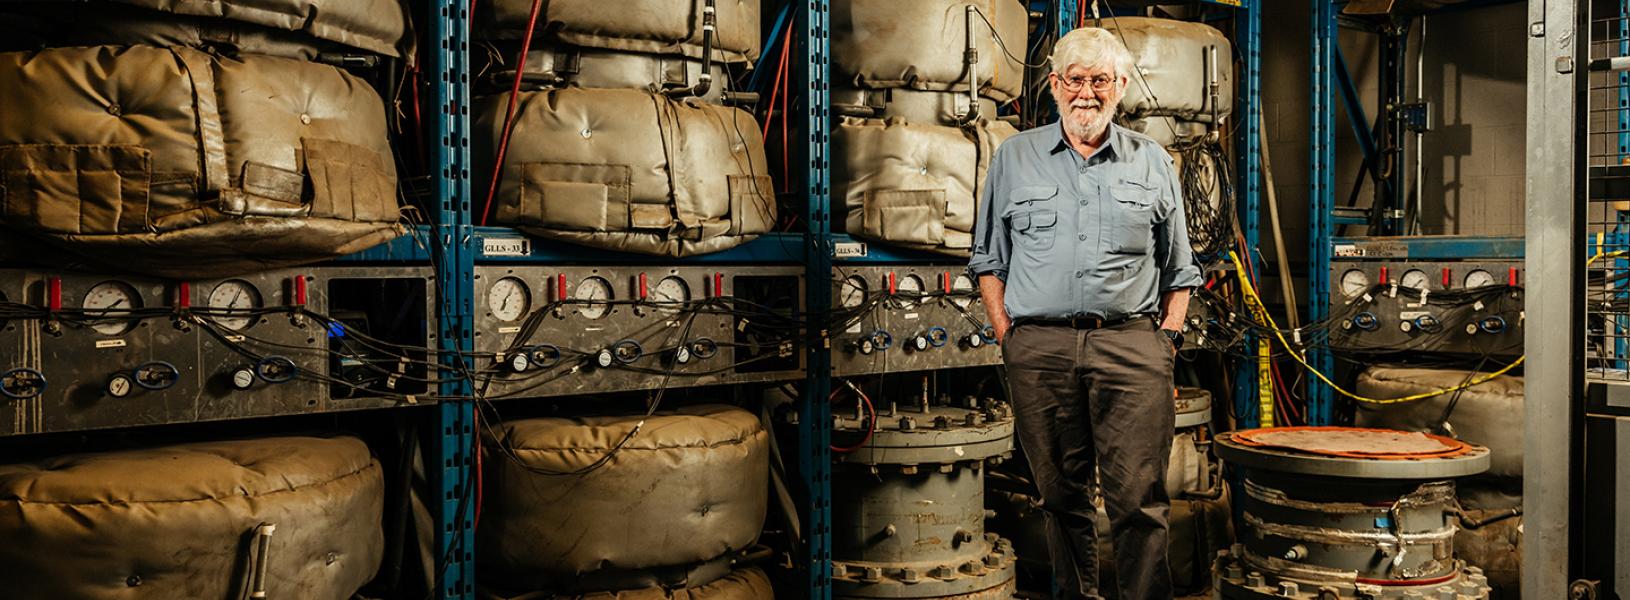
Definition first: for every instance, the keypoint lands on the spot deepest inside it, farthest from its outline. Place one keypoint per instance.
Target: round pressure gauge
(910, 289)
(508, 299)
(233, 298)
(962, 286)
(1478, 278)
(594, 295)
(671, 293)
(853, 292)
(1416, 279)
(108, 304)
(1354, 282)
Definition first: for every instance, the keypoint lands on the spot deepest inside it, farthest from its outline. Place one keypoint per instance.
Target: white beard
(1086, 124)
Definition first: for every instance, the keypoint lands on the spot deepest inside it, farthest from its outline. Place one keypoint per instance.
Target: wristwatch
(1175, 337)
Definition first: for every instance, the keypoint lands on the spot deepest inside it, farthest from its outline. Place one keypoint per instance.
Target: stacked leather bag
(280, 517)
(620, 137)
(625, 507)
(196, 139)
(913, 143)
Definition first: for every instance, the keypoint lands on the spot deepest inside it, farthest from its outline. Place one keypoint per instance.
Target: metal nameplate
(506, 246)
(850, 250)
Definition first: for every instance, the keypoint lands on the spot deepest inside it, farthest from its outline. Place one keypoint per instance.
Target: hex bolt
(943, 572)
(961, 537)
(910, 575)
(993, 560)
(889, 531)
(840, 570)
(1233, 573)
(971, 420)
(907, 423)
(873, 574)
(1255, 580)
(1446, 593)
(1478, 579)
(1288, 589)
(973, 567)
(908, 470)
(942, 422)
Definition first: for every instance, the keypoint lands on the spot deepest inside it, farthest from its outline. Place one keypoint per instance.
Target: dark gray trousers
(1098, 402)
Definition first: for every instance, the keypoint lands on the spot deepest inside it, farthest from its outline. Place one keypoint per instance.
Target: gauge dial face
(119, 386)
(671, 293)
(594, 296)
(910, 289)
(1478, 278)
(508, 299)
(1415, 278)
(1354, 282)
(233, 298)
(853, 292)
(961, 286)
(108, 305)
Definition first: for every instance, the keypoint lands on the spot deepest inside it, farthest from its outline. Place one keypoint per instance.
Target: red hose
(871, 422)
(509, 113)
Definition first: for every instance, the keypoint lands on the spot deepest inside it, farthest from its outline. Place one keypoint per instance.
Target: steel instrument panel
(84, 351)
(1377, 307)
(544, 331)
(899, 319)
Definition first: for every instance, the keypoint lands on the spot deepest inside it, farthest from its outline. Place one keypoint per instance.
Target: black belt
(1084, 322)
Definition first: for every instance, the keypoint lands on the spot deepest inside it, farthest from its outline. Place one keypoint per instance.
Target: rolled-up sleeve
(1173, 254)
(992, 248)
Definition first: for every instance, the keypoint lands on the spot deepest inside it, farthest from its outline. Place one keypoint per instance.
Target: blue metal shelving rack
(1329, 69)
(453, 244)
(453, 254)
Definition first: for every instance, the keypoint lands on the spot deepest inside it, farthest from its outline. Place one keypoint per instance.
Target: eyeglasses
(1100, 83)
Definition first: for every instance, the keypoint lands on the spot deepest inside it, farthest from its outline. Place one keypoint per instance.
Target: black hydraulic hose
(704, 82)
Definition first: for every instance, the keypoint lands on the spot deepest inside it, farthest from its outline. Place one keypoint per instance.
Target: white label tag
(849, 250)
(853, 328)
(1393, 293)
(594, 329)
(1410, 315)
(910, 316)
(1478, 305)
(506, 246)
(511, 329)
(1368, 298)
(1348, 250)
(110, 343)
(236, 339)
(1296, 336)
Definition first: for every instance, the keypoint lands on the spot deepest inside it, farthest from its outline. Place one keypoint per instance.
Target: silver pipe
(263, 543)
(970, 58)
(1420, 155)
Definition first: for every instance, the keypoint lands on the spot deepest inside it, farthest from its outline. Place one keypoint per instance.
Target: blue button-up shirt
(1101, 236)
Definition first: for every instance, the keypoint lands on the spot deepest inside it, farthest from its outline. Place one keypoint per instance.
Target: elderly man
(1084, 265)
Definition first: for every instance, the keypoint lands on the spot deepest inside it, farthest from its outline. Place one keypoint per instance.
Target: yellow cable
(1257, 306)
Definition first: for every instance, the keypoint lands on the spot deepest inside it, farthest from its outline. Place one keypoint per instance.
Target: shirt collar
(1110, 141)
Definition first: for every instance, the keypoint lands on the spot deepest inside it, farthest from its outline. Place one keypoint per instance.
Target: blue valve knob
(156, 375)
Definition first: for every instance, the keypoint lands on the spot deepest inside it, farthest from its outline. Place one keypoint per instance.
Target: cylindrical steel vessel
(1347, 513)
(910, 521)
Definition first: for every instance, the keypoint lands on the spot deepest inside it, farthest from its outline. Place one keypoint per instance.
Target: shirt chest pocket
(1131, 224)
(1033, 219)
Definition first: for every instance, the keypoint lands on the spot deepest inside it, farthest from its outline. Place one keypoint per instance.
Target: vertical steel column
(814, 413)
(1248, 38)
(1389, 198)
(1066, 17)
(451, 475)
(1555, 258)
(1322, 159)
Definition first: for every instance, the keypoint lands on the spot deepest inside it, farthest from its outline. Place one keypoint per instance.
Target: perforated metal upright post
(1248, 39)
(1322, 159)
(814, 413)
(454, 256)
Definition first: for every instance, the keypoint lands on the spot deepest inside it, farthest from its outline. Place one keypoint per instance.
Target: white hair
(1092, 47)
